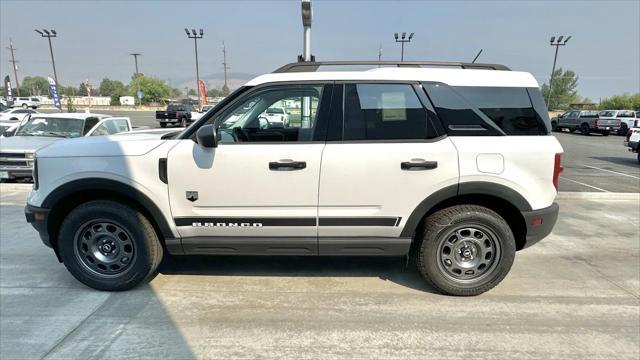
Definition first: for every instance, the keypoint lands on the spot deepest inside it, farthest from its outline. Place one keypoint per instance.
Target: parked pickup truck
(627, 118)
(586, 122)
(175, 114)
(632, 140)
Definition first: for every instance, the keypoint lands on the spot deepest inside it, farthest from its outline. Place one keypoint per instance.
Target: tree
(175, 92)
(113, 88)
(564, 91)
(215, 93)
(191, 92)
(621, 102)
(35, 85)
(82, 90)
(153, 89)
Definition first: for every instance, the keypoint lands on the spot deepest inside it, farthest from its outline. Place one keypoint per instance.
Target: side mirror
(206, 136)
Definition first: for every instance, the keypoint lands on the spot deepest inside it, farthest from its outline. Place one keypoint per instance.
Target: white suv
(26, 102)
(454, 168)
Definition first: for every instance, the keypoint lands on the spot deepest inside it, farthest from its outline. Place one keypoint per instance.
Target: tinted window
(245, 121)
(383, 112)
(589, 114)
(510, 108)
(625, 114)
(175, 108)
(89, 123)
(456, 114)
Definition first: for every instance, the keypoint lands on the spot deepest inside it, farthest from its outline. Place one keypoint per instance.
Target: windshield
(3, 128)
(55, 127)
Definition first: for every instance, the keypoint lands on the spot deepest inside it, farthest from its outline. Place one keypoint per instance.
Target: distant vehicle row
(24, 102)
(603, 122)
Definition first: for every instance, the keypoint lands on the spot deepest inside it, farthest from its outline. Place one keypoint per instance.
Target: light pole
(45, 33)
(135, 57)
(195, 36)
(557, 43)
(403, 40)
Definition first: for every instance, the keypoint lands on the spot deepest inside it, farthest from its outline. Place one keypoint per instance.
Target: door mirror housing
(206, 136)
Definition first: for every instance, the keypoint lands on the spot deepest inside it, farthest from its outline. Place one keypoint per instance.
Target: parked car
(452, 168)
(8, 128)
(26, 102)
(586, 122)
(175, 114)
(16, 114)
(627, 118)
(275, 117)
(197, 115)
(16, 152)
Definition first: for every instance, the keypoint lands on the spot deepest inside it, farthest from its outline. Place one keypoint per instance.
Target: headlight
(29, 155)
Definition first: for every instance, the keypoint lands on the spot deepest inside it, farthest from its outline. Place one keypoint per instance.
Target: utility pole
(135, 58)
(195, 36)
(402, 41)
(380, 54)
(225, 87)
(46, 34)
(15, 67)
(557, 44)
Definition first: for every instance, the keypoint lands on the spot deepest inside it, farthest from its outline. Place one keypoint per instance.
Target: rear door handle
(287, 165)
(418, 165)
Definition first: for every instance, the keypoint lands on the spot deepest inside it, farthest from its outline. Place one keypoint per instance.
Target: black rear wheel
(465, 250)
(584, 129)
(109, 246)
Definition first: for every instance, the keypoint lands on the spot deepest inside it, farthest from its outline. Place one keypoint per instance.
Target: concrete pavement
(574, 295)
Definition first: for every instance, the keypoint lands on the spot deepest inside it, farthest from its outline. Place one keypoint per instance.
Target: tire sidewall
(504, 238)
(130, 220)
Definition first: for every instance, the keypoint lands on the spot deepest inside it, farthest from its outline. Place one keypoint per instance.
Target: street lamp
(195, 36)
(403, 40)
(557, 43)
(135, 57)
(46, 34)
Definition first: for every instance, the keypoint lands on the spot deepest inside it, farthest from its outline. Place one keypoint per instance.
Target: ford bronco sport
(449, 164)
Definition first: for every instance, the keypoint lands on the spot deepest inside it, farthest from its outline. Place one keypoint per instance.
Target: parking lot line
(614, 172)
(581, 183)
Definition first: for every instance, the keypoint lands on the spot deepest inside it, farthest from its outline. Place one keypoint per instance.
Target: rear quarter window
(472, 110)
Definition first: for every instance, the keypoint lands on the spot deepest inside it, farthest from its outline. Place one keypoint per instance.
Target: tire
(24, 106)
(584, 129)
(495, 249)
(554, 127)
(638, 156)
(623, 129)
(135, 250)
(183, 122)
(605, 133)
(163, 125)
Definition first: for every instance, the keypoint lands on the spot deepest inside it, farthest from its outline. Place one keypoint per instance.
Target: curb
(597, 196)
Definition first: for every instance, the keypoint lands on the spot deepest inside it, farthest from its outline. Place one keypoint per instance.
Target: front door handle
(416, 164)
(287, 165)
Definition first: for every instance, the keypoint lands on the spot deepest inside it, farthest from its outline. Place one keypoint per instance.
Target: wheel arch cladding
(68, 196)
(507, 202)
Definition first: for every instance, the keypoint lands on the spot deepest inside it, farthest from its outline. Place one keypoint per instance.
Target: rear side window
(624, 114)
(509, 108)
(471, 110)
(383, 112)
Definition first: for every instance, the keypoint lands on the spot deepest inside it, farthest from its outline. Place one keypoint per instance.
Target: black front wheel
(109, 246)
(554, 126)
(163, 125)
(465, 250)
(584, 129)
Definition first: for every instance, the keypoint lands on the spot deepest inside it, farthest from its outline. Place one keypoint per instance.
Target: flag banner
(203, 93)
(53, 90)
(8, 96)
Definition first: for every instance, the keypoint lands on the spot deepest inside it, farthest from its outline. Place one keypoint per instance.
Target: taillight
(629, 134)
(596, 125)
(557, 169)
(177, 114)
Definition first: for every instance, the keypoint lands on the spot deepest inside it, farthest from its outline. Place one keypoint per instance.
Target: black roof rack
(312, 66)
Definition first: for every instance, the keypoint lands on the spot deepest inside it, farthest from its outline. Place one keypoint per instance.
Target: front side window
(110, 127)
(52, 127)
(281, 113)
(383, 112)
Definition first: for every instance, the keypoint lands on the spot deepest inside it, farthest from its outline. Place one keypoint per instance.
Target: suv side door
(257, 191)
(382, 159)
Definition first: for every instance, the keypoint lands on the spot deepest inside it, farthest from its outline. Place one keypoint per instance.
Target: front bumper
(38, 218)
(540, 223)
(16, 173)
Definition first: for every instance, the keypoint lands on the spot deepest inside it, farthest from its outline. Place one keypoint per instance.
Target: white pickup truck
(633, 139)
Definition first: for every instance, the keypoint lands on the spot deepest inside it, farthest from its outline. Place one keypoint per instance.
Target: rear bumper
(38, 218)
(540, 223)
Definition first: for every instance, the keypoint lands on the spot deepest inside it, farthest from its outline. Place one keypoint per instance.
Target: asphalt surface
(575, 295)
(593, 163)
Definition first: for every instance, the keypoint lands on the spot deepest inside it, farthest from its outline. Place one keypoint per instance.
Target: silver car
(17, 152)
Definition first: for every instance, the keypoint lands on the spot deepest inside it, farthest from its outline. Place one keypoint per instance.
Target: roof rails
(312, 66)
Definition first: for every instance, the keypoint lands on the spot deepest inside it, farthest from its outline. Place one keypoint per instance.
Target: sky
(95, 37)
